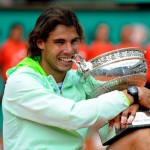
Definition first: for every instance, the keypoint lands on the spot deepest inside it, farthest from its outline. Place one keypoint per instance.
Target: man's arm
(27, 98)
(144, 96)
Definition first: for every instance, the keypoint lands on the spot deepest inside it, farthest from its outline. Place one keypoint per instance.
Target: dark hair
(47, 22)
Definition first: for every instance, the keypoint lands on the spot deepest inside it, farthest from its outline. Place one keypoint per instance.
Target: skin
(136, 140)
(144, 97)
(61, 46)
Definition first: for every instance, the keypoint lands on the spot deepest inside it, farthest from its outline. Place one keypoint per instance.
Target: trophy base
(142, 120)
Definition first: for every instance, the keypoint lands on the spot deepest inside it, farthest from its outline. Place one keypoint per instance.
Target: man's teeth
(66, 59)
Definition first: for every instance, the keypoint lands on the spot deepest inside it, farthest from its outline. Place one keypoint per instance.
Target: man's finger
(132, 113)
(117, 121)
(111, 124)
(130, 119)
(123, 119)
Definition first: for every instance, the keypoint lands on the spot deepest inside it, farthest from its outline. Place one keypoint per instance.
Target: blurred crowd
(13, 49)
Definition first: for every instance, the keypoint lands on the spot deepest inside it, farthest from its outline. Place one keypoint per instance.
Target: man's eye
(59, 42)
(76, 41)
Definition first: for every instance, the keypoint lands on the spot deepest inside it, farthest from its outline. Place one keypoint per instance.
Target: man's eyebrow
(76, 38)
(59, 39)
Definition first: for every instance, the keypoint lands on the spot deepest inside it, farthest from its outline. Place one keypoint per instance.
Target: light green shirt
(38, 116)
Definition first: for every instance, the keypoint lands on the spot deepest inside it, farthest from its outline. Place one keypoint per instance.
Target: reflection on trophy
(118, 69)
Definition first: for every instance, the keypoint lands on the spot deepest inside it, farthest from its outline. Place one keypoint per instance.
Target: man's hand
(128, 115)
(144, 97)
(124, 118)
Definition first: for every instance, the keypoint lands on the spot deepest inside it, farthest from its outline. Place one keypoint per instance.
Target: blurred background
(107, 24)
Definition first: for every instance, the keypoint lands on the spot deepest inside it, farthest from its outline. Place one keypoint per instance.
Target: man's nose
(69, 48)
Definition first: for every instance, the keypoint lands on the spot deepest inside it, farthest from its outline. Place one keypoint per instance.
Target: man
(45, 104)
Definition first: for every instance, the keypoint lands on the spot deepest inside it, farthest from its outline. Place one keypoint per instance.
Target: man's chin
(65, 69)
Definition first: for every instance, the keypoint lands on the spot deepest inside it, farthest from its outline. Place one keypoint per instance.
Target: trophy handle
(82, 65)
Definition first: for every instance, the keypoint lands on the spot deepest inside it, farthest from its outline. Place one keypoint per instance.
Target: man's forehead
(63, 28)
(64, 32)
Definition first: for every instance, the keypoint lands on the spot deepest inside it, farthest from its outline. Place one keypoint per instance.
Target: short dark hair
(47, 22)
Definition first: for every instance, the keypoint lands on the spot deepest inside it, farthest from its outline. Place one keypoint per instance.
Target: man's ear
(40, 44)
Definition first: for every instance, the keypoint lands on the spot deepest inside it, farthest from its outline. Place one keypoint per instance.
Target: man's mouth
(69, 59)
(65, 59)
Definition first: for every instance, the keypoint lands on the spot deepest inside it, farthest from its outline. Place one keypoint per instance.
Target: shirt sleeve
(26, 97)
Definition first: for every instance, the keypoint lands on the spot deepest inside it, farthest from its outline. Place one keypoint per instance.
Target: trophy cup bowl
(119, 69)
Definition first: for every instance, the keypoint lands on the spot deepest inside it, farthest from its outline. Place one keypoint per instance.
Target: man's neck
(59, 77)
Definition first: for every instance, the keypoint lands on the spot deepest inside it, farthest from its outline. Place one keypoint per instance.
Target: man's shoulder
(22, 72)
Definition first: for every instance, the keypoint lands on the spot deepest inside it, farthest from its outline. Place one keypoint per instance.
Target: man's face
(61, 46)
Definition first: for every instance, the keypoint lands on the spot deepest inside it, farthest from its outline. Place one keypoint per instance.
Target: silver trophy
(118, 69)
